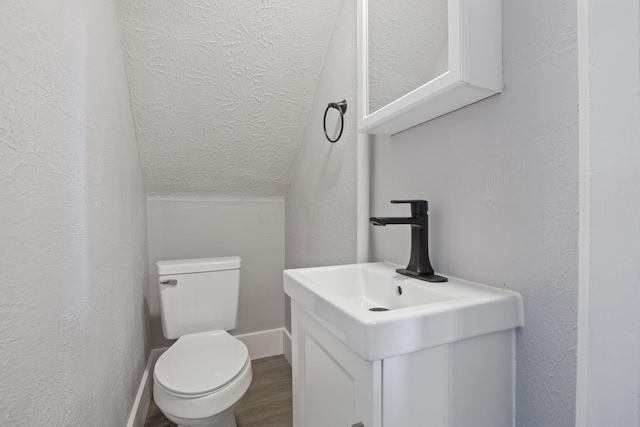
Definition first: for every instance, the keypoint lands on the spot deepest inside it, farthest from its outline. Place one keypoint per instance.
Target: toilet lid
(201, 363)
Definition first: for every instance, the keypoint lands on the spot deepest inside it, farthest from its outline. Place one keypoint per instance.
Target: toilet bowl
(200, 380)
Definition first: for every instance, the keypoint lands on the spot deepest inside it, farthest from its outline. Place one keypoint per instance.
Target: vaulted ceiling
(221, 90)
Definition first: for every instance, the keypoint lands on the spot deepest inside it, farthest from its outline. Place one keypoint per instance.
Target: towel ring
(342, 108)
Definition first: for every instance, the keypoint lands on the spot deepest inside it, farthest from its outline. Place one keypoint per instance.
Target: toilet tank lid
(200, 265)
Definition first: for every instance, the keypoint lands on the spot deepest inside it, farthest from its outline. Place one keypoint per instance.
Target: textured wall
(73, 252)
(321, 200)
(221, 91)
(501, 177)
(253, 230)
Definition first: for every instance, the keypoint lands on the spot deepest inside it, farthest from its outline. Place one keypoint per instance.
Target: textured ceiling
(221, 90)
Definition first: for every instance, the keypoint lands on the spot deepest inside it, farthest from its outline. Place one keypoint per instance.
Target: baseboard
(286, 345)
(143, 397)
(263, 343)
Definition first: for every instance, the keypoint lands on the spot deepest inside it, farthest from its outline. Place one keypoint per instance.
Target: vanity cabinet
(332, 386)
(464, 383)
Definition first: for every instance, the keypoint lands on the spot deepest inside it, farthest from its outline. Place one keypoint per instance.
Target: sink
(408, 314)
(368, 286)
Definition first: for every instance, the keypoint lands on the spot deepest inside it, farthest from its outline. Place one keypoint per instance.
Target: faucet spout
(382, 221)
(419, 265)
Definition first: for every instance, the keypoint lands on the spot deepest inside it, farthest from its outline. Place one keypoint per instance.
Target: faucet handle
(418, 207)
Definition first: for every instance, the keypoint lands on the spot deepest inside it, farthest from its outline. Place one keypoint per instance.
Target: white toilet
(200, 380)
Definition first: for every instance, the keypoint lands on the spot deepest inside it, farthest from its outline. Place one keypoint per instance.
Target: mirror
(407, 47)
(420, 59)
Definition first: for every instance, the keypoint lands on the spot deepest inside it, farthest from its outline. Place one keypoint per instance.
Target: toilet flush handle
(171, 282)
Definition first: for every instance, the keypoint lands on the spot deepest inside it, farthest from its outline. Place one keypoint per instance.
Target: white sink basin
(419, 314)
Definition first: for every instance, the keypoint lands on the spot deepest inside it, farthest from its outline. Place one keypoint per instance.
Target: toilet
(200, 380)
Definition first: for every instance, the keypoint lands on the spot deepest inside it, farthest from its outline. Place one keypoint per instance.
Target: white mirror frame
(475, 69)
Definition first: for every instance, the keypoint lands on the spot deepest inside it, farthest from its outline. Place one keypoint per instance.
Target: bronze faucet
(419, 265)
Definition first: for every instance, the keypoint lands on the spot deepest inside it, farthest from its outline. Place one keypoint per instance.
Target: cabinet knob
(357, 425)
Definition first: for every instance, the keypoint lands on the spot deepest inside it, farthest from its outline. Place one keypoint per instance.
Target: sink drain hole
(399, 290)
(378, 309)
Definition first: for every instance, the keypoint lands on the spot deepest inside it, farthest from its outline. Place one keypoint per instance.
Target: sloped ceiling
(221, 90)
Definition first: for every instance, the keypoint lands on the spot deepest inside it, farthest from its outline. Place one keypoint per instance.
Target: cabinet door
(332, 386)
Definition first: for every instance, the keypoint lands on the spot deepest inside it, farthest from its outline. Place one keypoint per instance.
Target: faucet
(419, 266)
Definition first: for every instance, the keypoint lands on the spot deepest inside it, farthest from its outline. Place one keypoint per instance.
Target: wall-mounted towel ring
(342, 108)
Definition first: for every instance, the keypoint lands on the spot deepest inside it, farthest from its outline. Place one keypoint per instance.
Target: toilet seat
(200, 364)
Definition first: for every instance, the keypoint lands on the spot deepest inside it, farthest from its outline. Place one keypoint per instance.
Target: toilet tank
(198, 295)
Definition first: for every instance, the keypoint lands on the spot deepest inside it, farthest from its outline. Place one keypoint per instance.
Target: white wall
(250, 229)
(501, 178)
(321, 200)
(609, 322)
(73, 252)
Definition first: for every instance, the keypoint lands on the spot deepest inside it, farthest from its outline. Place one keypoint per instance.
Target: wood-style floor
(267, 402)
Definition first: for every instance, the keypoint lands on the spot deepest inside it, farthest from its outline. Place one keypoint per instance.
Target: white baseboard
(260, 344)
(263, 344)
(143, 397)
